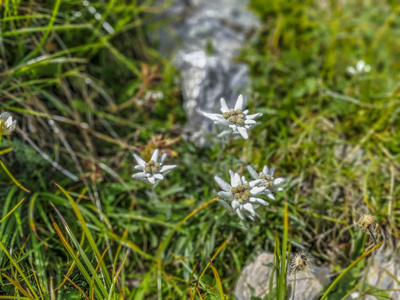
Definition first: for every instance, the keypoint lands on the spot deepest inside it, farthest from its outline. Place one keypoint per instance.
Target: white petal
(154, 157)
(235, 204)
(214, 117)
(159, 176)
(257, 190)
(351, 70)
(243, 132)
(226, 205)
(139, 175)
(251, 217)
(231, 174)
(259, 200)
(239, 213)
(139, 168)
(224, 107)
(235, 180)
(249, 122)
(9, 122)
(278, 181)
(224, 133)
(167, 168)
(222, 184)
(139, 160)
(278, 189)
(226, 195)
(270, 195)
(252, 172)
(256, 182)
(245, 112)
(151, 179)
(271, 171)
(233, 127)
(360, 65)
(251, 117)
(239, 103)
(249, 208)
(163, 157)
(265, 170)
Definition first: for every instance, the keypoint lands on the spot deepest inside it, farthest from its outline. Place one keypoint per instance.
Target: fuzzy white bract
(7, 124)
(361, 67)
(241, 194)
(237, 119)
(269, 182)
(153, 170)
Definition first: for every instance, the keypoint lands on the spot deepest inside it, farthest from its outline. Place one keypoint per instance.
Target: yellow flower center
(234, 117)
(241, 192)
(268, 181)
(152, 167)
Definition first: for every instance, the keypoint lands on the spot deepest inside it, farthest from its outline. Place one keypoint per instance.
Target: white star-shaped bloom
(269, 182)
(154, 170)
(7, 124)
(236, 119)
(361, 67)
(241, 194)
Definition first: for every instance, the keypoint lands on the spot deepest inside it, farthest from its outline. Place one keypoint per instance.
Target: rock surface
(205, 36)
(254, 280)
(384, 268)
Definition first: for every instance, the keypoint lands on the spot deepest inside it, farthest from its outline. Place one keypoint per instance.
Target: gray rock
(384, 268)
(195, 28)
(254, 280)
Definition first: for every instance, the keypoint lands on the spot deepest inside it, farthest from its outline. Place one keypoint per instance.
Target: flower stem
(294, 284)
(372, 234)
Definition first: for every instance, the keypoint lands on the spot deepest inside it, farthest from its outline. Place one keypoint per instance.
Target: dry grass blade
(22, 273)
(12, 210)
(12, 178)
(219, 283)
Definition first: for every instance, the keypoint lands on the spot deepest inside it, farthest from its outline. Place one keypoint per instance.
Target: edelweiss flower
(241, 194)
(360, 68)
(7, 125)
(153, 170)
(238, 120)
(269, 182)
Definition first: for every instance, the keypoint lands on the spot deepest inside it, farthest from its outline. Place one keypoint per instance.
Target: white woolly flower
(7, 124)
(269, 182)
(236, 119)
(154, 170)
(361, 67)
(241, 195)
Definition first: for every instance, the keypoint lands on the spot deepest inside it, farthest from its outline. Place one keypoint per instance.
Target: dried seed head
(301, 262)
(367, 223)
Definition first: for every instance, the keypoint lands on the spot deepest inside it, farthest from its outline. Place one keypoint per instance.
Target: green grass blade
(12, 178)
(19, 270)
(348, 269)
(83, 255)
(87, 233)
(12, 210)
